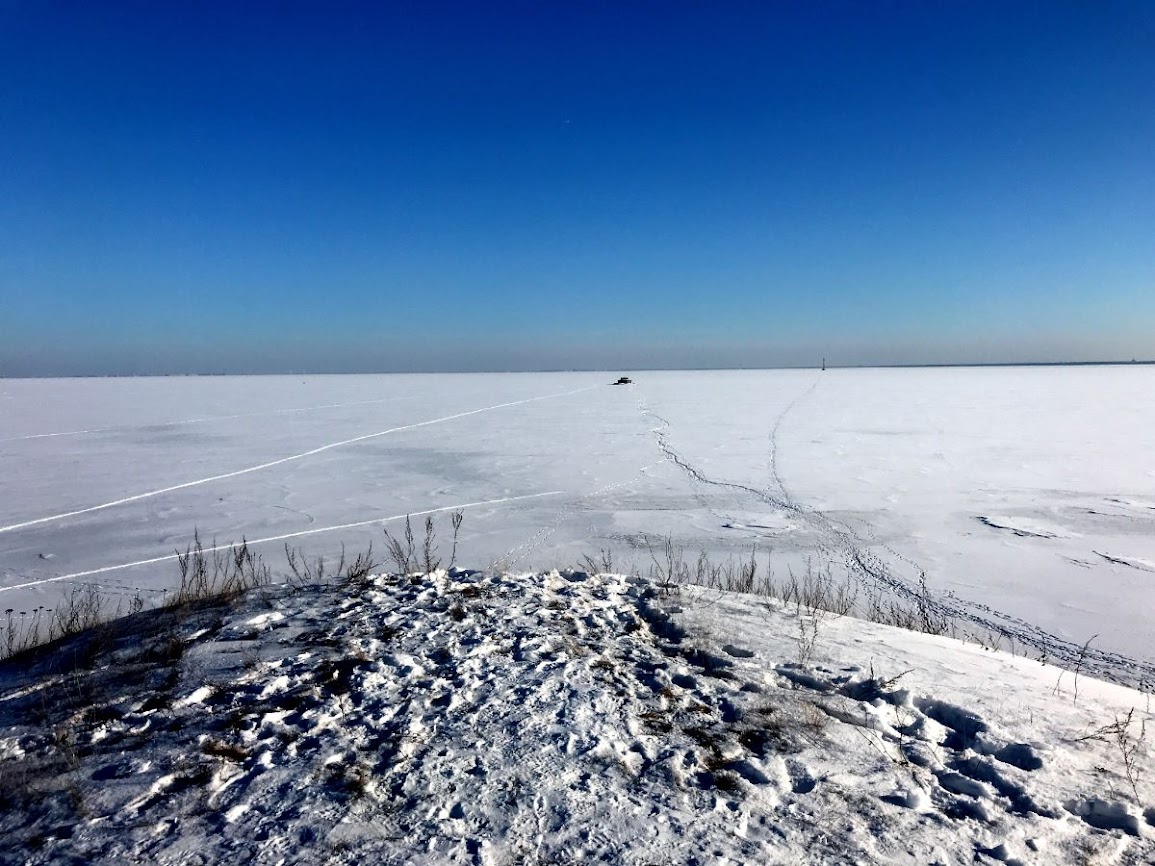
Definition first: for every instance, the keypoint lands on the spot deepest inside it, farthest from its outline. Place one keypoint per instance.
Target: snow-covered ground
(480, 718)
(1025, 495)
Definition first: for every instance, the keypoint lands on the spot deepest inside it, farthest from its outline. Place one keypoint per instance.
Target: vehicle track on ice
(837, 541)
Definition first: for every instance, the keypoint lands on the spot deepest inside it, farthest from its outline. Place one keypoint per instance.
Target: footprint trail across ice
(882, 568)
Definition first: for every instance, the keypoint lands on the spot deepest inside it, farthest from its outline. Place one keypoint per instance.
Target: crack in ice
(329, 447)
(172, 556)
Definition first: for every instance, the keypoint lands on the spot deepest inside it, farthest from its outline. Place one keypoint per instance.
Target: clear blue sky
(394, 186)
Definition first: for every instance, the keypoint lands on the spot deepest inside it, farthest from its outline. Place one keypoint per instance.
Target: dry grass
(810, 594)
(207, 576)
(219, 575)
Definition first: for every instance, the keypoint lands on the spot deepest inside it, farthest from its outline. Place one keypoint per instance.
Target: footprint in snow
(1001, 853)
(684, 681)
(801, 781)
(798, 676)
(966, 727)
(1107, 815)
(749, 772)
(737, 652)
(729, 712)
(454, 813)
(1019, 755)
(908, 798)
(983, 770)
(957, 783)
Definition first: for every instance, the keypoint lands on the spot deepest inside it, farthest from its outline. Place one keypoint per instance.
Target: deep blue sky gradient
(396, 186)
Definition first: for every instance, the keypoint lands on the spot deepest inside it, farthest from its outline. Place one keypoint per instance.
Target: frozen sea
(1024, 496)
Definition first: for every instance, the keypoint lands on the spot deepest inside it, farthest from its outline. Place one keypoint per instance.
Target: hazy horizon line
(913, 366)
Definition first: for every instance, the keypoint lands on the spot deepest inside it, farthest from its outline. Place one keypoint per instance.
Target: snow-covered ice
(1026, 496)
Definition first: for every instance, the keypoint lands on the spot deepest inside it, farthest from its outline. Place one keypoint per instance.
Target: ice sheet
(1025, 495)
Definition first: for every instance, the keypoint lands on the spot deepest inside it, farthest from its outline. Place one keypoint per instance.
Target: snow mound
(477, 718)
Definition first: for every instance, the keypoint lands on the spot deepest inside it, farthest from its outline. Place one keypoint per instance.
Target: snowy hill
(469, 717)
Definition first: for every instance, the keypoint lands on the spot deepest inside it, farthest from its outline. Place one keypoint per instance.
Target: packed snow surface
(1023, 499)
(481, 718)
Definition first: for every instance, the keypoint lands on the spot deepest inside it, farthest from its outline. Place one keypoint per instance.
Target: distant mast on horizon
(823, 363)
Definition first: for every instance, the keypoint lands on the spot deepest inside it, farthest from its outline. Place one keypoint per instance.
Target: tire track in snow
(75, 576)
(292, 457)
(836, 539)
(845, 539)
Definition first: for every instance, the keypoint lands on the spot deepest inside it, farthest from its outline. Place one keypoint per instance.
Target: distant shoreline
(829, 366)
(1131, 363)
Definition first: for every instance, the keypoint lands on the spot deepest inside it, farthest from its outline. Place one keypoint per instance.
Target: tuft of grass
(410, 558)
(1128, 744)
(316, 572)
(604, 564)
(82, 609)
(217, 575)
(403, 550)
(208, 576)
